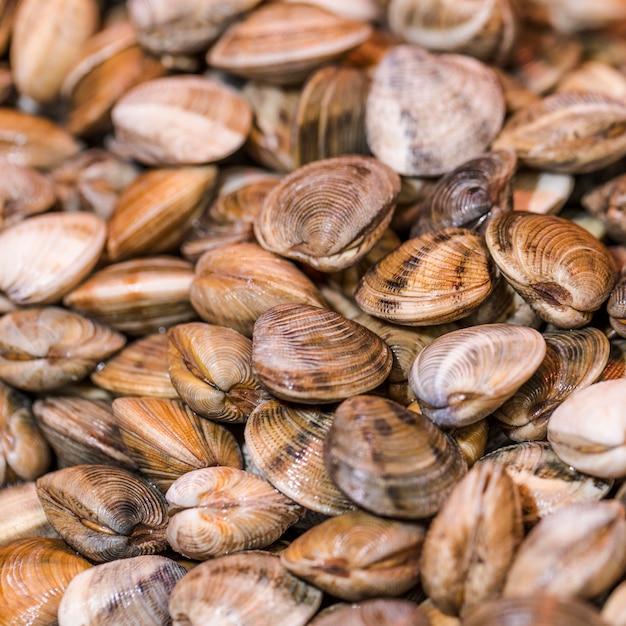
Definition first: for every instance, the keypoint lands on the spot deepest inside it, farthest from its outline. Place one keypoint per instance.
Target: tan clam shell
(595, 76)
(219, 510)
(211, 368)
(558, 267)
(608, 202)
(574, 360)
(43, 349)
(235, 284)
(357, 555)
(376, 612)
(42, 258)
(140, 369)
(540, 191)
(436, 278)
(616, 364)
(285, 442)
(464, 375)
(313, 355)
(283, 42)
(137, 297)
(567, 132)
(167, 439)
(250, 587)
(104, 512)
(145, 582)
(389, 460)
(329, 213)
(34, 574)
(422, 114)
(616, 307)
(180, 120)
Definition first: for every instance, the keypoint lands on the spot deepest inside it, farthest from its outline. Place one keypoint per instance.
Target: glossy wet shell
(309, 354)
(389, 460)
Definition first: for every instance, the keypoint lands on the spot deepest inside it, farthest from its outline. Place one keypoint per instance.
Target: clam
(235, 284)
(616, 307)
(616, 365)
(43, 349)
(390, 460)
(357, 555)
(219, 510)
(144, 582)
(309, 354)
(44, 257)
(435, 278)
(329, 213)
(104, 512)
(541, 192)
(34, 574)
(285, 443)
(166, 439)
(595, 76)
(140, 369)
(608, 202)
(245, 588)
(464, 375)
(179, 120)
(137, 297)
(283, 42)
(613, 608)
(378, 612)
(211, 369)
(558, 267)
(422, 117)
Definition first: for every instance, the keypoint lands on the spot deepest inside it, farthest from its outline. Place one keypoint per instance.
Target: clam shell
(616, 307)
(219, 510)
(249, 587)
(44, 257)
(595, 76)
(436, 278)
(145, 582)
(329, 213)
(608, 202)
(377, 612)
(308, 354)
(422, 114)
(463, 376)
(616, 364)
(389, 460)
(22, 515)
(541, 192)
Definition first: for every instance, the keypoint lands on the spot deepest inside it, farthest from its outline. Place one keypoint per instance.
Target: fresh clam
(378, 612)
(608, 201)
(616, 307)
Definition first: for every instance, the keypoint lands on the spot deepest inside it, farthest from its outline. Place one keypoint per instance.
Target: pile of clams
(312, 312)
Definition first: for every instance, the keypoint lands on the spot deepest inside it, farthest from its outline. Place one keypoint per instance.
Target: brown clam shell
(608, 202)
(377, 612)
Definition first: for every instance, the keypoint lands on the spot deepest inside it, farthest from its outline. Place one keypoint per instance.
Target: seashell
(357, 555)
(285, 443)
(81, 431)
(437, 616)
(574, 359)
(560, 269)
(23, 192)
(34, 574)
(436, 278)
(471, 439)
(616, 364)
(379, 611)
(42, 258)
(313, 355)
(592, 535)
(595, 76)
(539, 609)
(218, 510)
(137, 297)
(44, 349)
(596, 446)
(570, 17)
(144, 582)
(541, 192)
(166, 439)
(409, 129)
(516, 94)
(608, 202)
(45, 43)
(249, 587)
(613, 608)
(545, 483)
(389, 460)
(616, 307)
(235, 284)
(567, 132)
(464, 375)
(486, 30)
(363, 10)
(284, 42)
(179, 120)
(140, 369)
(460, 565)
(104, 512)
(211, 369)
(24, 453)
(156, 209)
(22, 515)
(470, 195)
(33, 141)
(329, 213)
